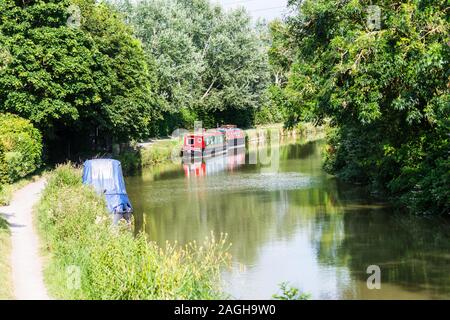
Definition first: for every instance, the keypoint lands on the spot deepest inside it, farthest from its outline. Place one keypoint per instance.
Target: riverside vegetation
(20, 154)
(114, 264)
(384, 89)
(5, 265)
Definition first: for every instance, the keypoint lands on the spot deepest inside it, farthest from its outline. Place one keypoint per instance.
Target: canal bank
(87, 258)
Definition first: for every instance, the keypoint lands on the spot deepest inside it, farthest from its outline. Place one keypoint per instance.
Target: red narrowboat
(213, 142)
(204, 144)
(234, 136)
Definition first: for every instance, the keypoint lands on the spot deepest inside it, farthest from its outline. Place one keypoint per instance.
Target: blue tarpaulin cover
(105, 175)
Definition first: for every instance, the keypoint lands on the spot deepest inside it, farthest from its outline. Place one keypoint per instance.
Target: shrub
(159, 152)
(113, 263)
(274, 110)
(6, 290)
(22, 147)
(3, 170)
(290, 293)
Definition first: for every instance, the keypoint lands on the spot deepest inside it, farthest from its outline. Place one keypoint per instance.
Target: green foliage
(72, 81)
(3, 167)
(113, 263)
(6, 289)
(386, 92)
(211, 64)
(273, 111)
(21, 148)
(131, 161)
(159, 152)
(290, 293)
(143, 157)
(280, 55)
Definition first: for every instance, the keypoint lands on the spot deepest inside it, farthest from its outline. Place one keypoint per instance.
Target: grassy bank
(111, 262)
(6, 291)
(149, 155)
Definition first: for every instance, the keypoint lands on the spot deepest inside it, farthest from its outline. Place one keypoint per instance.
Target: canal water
(289, 221)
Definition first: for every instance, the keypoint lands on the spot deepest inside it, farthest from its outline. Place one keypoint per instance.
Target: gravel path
(26, 262)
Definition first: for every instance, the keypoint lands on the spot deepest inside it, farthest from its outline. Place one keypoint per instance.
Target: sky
(267, 9)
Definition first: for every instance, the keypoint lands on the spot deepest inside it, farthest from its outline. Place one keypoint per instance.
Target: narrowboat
(234, 136)
(204, 144)
(213, 142)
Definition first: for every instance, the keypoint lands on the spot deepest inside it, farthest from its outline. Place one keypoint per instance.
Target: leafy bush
(6, 290)
(159, 152)
(273, 111)
(21, 148)
(290, 293)
(113, 263)
(3, 169)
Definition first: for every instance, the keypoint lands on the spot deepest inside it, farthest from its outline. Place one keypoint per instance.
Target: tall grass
(6, 291)
(158, 152)
(114, 264)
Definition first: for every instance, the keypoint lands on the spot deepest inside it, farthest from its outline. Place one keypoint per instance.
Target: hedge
(2, 166)
(21, 148)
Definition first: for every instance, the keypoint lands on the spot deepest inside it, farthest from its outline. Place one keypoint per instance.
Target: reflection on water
(295, 223)
(229, 162)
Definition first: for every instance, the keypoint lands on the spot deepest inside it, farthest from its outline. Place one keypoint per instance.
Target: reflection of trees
(251, 218)
(412, 251)
(345, 229)
(295, 151)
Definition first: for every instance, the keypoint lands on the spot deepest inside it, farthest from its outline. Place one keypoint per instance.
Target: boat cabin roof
(205, 134)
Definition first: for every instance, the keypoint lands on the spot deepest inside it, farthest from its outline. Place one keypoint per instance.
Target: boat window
(190, 141)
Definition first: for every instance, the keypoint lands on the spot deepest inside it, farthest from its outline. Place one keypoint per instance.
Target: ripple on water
(168, 190)
(260, 181)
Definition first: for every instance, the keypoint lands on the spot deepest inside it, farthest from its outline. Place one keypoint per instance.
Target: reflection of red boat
(213, 142)
(197, 169)
(230, 162)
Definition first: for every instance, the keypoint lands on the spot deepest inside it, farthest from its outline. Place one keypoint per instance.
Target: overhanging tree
(69, 79)
(385, 90)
